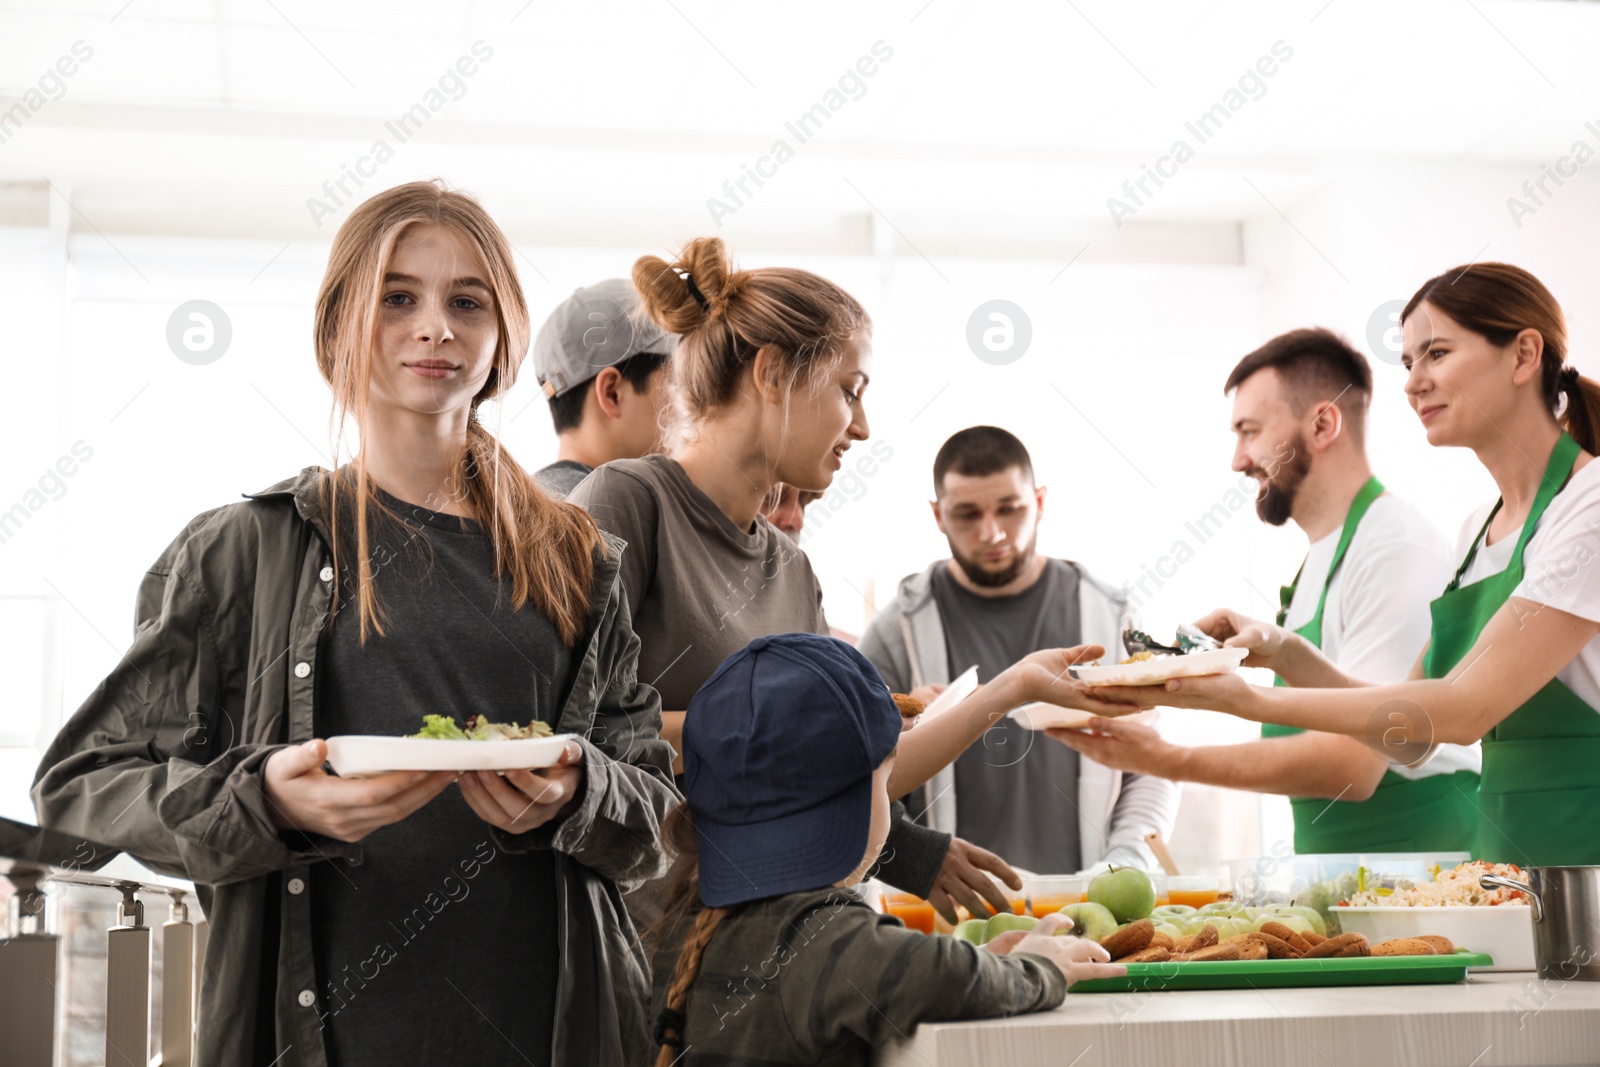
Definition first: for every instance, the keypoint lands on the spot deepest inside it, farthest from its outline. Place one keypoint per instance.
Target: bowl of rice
(1497, 922)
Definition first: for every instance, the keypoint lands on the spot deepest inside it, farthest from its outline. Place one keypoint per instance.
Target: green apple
(1170, 930)
(1090, 920)
(1310, 915)
(1171, 910)
(1225, 907)
(972, 930)
(1289, 919)
(1126, 892)
(1004, 922)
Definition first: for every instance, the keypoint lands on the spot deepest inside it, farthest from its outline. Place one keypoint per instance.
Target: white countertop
(1489, 1020)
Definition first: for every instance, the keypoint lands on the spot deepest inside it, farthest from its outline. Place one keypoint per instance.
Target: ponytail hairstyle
(678, 834)
(1499, 301)
(546, 547)
(725, 316)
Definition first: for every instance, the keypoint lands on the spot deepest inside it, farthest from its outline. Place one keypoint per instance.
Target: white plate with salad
(443, 745)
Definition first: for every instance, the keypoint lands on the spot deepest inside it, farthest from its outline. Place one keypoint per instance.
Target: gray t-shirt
(1016, 790)
(433, 899)
(560, 478)
(699, 587)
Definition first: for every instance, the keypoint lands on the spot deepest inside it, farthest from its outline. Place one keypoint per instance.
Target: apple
(1125, 892)
(972, 930)
(1170, 930)
(1172, 910)
(1310, 915)
(1225, 907)
(1090, 920)
(1294, 922)
(1003, 922)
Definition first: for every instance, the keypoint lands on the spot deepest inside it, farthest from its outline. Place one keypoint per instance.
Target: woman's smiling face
(437, 329)
(824, 418)
(1460, 384)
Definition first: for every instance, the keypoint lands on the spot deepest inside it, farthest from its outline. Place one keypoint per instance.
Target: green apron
(1540, 798)
(1433, 814)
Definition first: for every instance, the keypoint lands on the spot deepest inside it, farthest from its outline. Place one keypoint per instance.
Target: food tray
(357, 755)
(1163, 668)
(1288, 974)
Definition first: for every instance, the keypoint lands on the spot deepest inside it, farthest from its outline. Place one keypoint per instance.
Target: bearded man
(1015, 793)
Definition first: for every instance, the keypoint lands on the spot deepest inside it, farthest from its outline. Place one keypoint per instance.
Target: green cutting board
(1288, 974)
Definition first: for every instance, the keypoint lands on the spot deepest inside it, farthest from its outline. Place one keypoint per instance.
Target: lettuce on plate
(479, 728)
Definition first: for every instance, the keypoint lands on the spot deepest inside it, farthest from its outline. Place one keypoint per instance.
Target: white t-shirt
(1560, 567)
(1377, 619)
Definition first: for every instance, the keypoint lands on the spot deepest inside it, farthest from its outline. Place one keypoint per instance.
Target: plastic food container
(1048, 893)
(1195, 890)
(1504, 931)
(912, 910)
(1321, 880)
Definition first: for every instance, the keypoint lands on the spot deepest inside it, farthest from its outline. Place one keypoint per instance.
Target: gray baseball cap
(596, 327)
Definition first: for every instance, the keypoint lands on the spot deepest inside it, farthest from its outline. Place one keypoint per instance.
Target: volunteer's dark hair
(1499, 301)
(566, 410)
(980, 450)
(681, 841)
(1316, 365)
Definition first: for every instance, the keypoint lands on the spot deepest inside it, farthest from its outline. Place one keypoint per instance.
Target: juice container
(1049, 893)
(915, 912)
(1195, 890)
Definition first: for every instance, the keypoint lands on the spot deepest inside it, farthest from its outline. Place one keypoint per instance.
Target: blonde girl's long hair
(546, 547)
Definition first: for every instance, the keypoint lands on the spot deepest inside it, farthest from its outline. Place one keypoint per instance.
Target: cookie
(1338, 946)
(1404, 946)
(1135, 937)
(1153, 954)
(1277, 947)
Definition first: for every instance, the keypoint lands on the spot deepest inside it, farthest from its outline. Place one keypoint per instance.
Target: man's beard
(987, 578)
(1275, 503)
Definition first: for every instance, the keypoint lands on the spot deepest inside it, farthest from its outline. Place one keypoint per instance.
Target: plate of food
(442, 745)
(1042, 716)
(1152, 663)
(954, 693)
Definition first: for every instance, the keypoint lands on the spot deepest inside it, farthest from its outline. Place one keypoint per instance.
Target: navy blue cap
(779, 747)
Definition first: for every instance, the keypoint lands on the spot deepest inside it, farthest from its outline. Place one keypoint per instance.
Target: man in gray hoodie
(994, 601)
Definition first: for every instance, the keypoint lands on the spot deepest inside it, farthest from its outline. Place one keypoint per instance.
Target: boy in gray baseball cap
(597, 360)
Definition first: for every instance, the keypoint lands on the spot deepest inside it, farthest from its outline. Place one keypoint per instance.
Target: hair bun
(683, 294)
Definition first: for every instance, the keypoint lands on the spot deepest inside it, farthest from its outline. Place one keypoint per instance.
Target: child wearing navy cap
(787, 751)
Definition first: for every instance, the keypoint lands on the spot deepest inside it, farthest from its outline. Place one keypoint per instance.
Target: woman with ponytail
(768, 381)
(430, 574)
(1514, 658)
(769, 956)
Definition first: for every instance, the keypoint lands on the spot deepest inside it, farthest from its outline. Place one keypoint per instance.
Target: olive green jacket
(164, 761)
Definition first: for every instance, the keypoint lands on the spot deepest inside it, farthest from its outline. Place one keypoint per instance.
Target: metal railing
(40, 1026)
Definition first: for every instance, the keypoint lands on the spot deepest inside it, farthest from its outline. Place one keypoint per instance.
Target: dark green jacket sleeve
(871, 978)
(126, 769)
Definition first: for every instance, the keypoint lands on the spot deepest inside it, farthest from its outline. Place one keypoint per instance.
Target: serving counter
(1486, 1021)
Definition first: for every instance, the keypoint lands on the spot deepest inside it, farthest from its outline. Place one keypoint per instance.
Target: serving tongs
(1190, 640)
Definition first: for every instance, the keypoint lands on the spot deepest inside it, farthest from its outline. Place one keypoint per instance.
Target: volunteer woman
(1514, 657)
